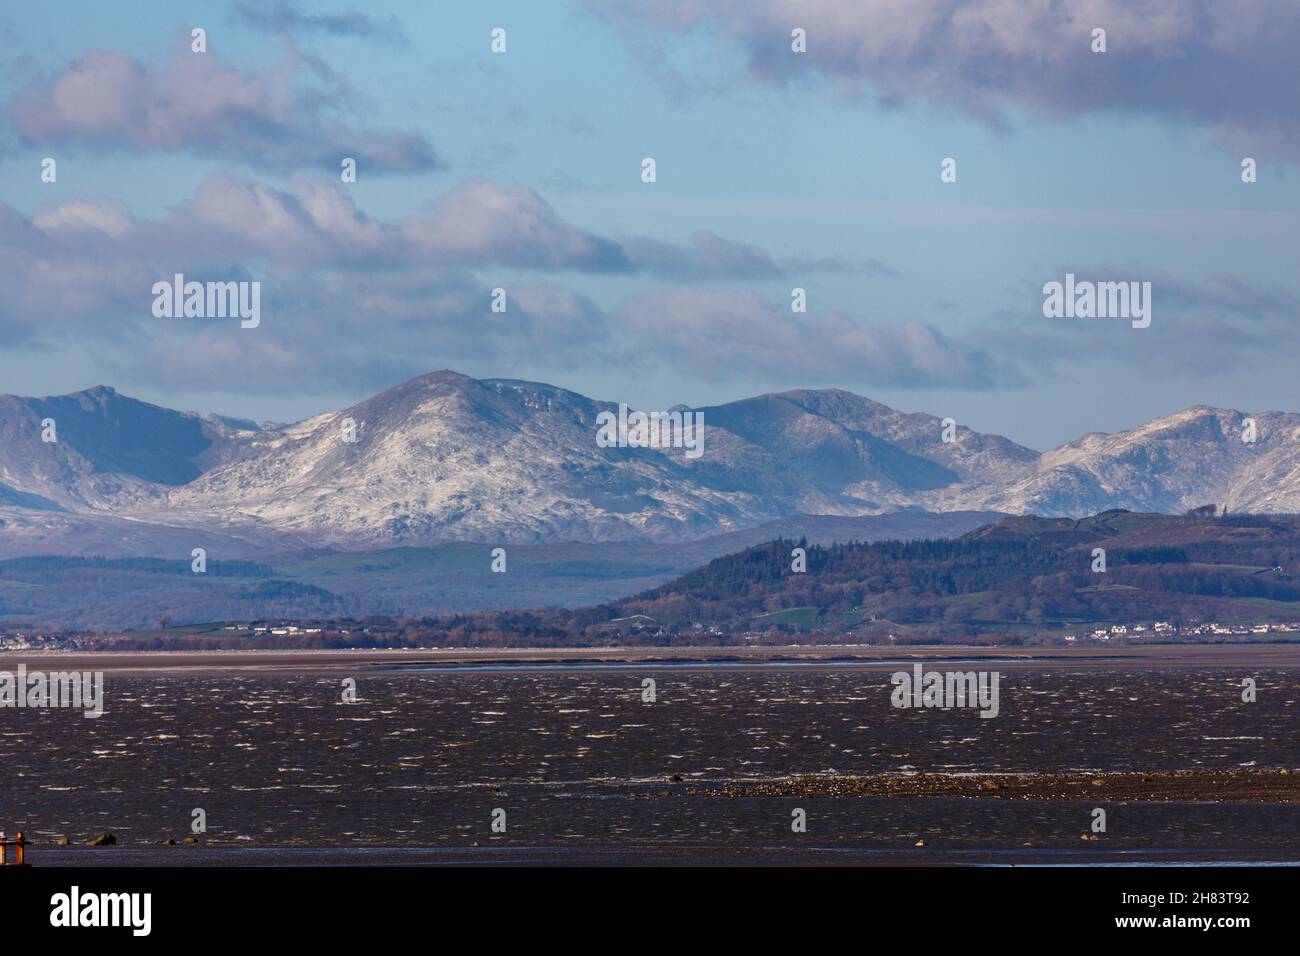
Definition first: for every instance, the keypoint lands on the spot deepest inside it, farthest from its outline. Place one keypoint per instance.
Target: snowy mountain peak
(448, 457)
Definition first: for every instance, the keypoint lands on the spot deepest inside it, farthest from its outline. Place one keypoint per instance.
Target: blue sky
(821, 172)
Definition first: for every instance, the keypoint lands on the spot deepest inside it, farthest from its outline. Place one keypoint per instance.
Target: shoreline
(402, 660)
(1091, 856)
(940, 840)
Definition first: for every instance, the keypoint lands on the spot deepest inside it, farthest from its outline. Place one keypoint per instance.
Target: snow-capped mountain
(446, 457)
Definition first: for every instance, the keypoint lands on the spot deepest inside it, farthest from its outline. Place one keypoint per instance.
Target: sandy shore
(198, 663)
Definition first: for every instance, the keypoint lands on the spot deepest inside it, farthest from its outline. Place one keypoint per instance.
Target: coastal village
(1166, 631)
(26, 639)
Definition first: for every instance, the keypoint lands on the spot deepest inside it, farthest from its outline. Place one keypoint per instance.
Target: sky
(522, 170)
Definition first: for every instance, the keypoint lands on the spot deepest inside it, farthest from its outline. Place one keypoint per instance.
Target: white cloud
(282, 118)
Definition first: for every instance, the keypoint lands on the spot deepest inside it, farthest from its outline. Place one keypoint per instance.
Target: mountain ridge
(446, 457)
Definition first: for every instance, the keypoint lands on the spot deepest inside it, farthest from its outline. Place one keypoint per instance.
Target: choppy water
(422, 759)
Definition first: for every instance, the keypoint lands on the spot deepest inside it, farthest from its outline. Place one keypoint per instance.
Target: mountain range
(445, 457)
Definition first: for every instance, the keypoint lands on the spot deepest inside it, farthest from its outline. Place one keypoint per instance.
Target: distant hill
(1007, 581)
(1016, 575)
(133, 592)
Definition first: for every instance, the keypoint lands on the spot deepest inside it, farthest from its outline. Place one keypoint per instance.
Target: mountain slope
(1168, 465)
(104, 450)
(445, 457)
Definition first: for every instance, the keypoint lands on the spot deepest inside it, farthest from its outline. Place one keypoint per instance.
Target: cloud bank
(351, 300)
(1229, 65)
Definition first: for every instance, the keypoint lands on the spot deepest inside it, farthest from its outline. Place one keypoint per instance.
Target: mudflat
(1271, 786)
(1166, 739)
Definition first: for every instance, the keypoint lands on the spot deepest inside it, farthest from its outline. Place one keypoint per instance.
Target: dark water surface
(575, 758)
